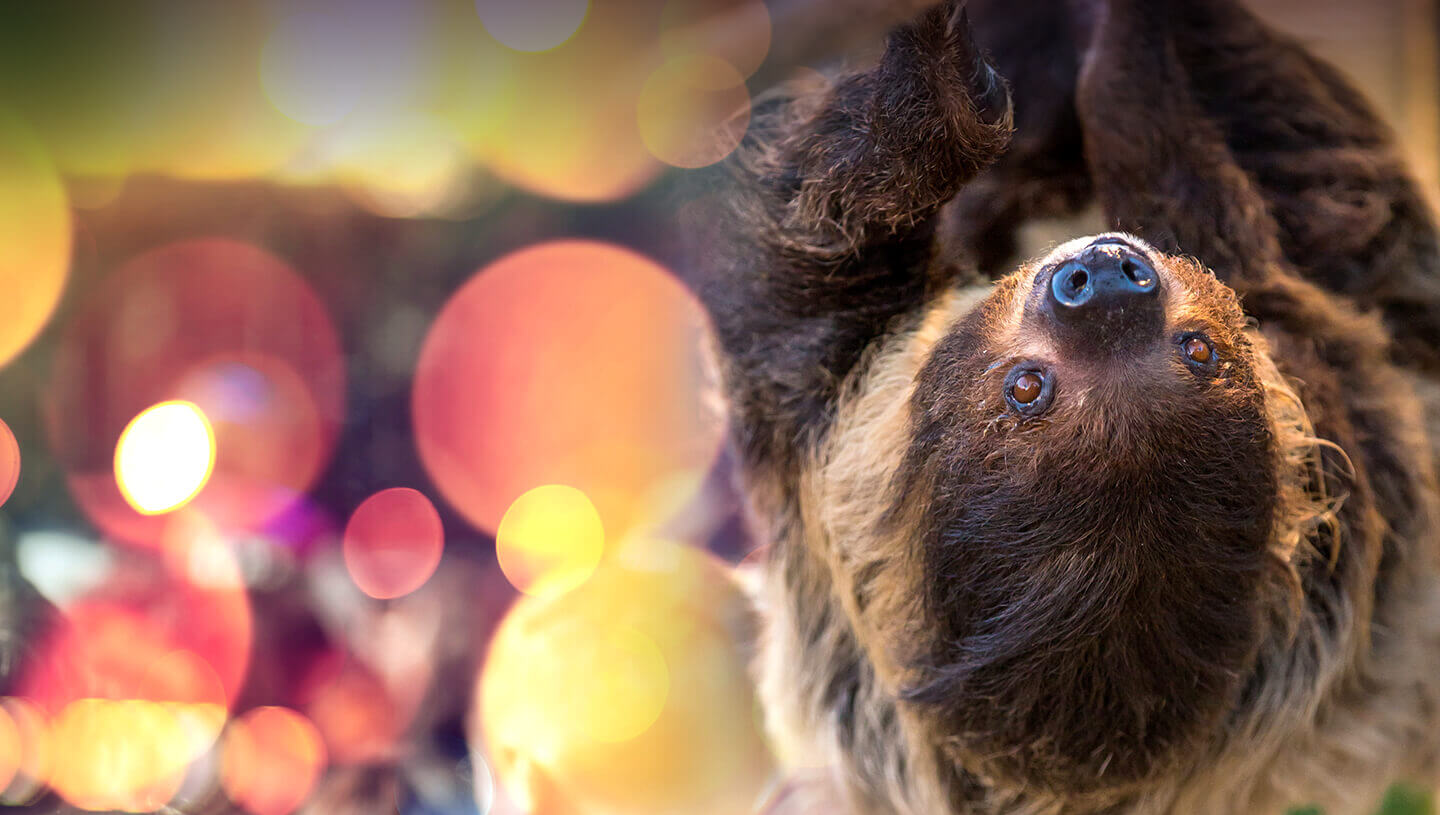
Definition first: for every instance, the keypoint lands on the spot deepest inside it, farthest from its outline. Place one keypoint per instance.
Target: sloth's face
(1093, 470)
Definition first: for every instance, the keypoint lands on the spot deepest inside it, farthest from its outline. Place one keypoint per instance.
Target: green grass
(1399, 800)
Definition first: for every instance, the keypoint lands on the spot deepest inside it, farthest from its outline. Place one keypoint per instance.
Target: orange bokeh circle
(223, 325)
(9, 463)
(271, 759)
(573, 363)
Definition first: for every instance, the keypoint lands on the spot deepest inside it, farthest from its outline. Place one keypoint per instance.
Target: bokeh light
(202, 200)
(226, 327)
(557, 130)
(393, 543)
(594, 701)
(737, 32)
(34, 236)
(33, 769)
(550, 540)
(130, 710)
(573, 363)
(11, 747)
(538, 25)
(359, 718)
(153, 87)
(164, 457)
(119, 754)
(9, 462)
(208, 116)
(402, 166)
(693, 111)
(145, 634)
(579, 148)
(326, 59)
(271, 760)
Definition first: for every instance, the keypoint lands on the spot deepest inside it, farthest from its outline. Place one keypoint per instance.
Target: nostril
(1136, 272)
(1072, 284)
(1103, 298)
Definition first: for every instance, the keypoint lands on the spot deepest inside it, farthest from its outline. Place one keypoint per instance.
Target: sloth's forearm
(832, 233)
(1161, 168)
(1350, 216)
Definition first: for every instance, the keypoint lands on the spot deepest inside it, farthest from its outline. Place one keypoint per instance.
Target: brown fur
(1172, 592)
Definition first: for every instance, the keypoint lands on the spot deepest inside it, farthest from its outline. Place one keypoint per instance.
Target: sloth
(1145, 525)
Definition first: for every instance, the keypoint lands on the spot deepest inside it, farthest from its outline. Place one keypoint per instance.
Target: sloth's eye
(1026, 388)
(1029, 388)
(1198, 352)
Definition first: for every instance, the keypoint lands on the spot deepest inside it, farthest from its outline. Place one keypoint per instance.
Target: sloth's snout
(1108, 274)
(1105, 297)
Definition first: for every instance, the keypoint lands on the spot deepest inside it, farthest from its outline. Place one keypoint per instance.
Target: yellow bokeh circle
(35, 234)
(119, 754)
(550, 540)
(629, 694)
(627, 691)
(165, 457)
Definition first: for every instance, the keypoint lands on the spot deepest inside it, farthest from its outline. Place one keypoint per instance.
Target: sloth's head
(1093, 472)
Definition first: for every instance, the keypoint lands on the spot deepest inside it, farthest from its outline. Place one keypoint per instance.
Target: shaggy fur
(1179, 590)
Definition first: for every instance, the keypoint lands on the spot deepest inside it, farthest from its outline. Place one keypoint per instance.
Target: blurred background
(356, 449)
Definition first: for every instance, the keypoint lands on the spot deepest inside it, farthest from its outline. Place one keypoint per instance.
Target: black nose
(1106, 295)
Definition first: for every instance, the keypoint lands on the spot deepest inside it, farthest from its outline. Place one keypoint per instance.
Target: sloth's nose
(1105, 295)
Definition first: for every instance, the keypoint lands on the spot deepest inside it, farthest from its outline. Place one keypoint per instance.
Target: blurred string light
(9, 462)
(550, 540)
(164, 457)
(590, 701)
(573, 363)
(271, 760)
(539, 25)
(393, 543)
(34, 237)
(226, 327)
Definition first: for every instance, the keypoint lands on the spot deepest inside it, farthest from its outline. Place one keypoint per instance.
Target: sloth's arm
(1043, 174)
(1211, 136)
(1161, 167)
(1351, 217)
(831, 232)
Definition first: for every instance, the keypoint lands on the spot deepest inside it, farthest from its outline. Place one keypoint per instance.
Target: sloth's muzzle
(1105, 298)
